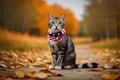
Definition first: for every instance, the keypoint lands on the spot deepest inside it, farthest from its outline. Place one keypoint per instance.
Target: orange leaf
(49, 73)
(111, 76)
(30, 74)
(96, 69)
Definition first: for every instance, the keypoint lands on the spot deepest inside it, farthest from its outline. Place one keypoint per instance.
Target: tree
(16, 15)
(31, 17)
(100, 19)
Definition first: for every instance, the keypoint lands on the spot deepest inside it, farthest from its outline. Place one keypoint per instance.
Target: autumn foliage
(32, 17)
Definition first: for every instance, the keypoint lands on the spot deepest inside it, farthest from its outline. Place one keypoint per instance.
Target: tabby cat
(61, 46)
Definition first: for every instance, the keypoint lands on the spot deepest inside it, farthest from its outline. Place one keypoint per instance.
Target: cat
(61, 46)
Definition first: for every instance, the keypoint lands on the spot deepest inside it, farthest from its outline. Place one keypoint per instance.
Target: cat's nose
(56, 27)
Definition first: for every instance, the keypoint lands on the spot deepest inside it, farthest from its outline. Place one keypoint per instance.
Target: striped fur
(62, 47)
(88, 65)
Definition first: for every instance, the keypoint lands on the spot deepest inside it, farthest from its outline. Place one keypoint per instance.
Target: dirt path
(74, 74)
(81, 74)
(70, 74)
(83, 53)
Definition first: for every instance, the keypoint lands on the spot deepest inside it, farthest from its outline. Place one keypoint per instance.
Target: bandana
(56, 36)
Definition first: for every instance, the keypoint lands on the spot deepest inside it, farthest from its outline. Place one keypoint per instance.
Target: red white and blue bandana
(56, 36)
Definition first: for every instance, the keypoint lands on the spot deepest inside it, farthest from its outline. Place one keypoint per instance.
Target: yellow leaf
(19, 73)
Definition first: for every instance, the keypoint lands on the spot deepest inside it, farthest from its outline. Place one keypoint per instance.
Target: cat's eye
(60, 22)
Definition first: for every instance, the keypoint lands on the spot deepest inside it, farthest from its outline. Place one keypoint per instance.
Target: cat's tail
(88, 65)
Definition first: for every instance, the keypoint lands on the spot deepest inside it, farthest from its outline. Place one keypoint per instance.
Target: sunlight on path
(83, 52)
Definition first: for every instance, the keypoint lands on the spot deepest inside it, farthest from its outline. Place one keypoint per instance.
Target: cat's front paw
(51, 67)
(58, 67)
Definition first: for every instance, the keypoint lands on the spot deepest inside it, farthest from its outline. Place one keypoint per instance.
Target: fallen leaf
(40, 75)
(19, 73)
(106, 66)
(96, 69)
(3, 65)
(59, 75)
(13, 54)
(102, 66)
(9, 78)
(3, 76)
(112, 76)
(39, 64)
(29, 74)
(116, 66)
(49, 73)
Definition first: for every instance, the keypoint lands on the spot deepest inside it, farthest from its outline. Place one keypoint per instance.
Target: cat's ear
(50, 16)
(62, 16)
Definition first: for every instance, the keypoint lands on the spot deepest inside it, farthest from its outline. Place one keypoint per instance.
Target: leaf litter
(16, 60)
(19, 73)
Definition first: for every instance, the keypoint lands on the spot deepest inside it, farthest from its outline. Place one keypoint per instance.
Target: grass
(2, 47)
(110, 44)
(17, 41)
(81, 40)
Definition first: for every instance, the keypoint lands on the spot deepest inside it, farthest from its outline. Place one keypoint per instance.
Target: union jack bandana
(56, 36)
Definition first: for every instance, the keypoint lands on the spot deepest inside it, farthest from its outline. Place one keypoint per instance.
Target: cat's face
(55, 24)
